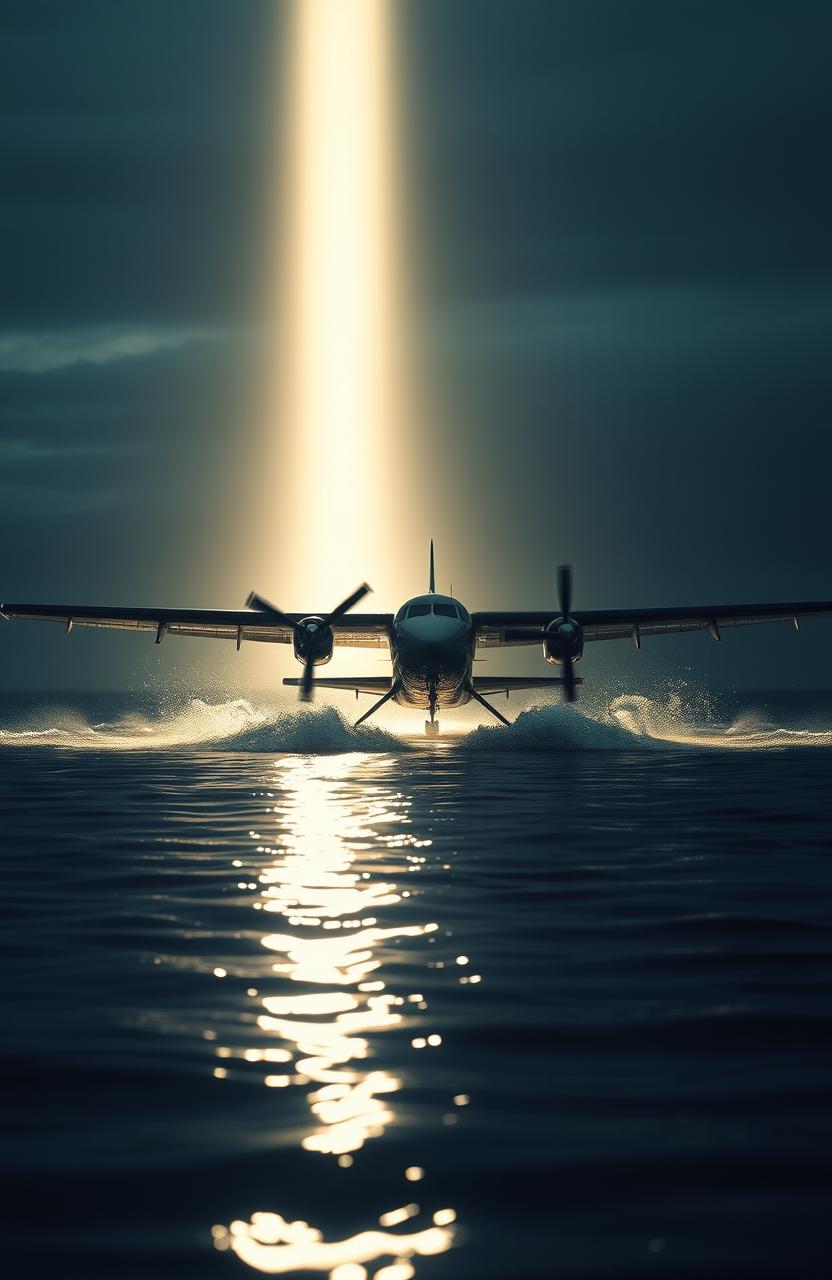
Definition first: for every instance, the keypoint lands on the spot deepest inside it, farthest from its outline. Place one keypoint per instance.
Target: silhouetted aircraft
(432, 639)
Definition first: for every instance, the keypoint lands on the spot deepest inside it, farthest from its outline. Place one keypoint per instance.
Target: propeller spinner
(313, 638)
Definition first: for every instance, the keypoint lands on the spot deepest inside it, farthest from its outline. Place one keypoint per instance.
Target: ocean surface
(280, 997)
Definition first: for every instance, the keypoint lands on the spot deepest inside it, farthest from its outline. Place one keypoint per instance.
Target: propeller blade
(347, 604)
(569, 681)
(306, 690)
(565, 589)
(253, 601)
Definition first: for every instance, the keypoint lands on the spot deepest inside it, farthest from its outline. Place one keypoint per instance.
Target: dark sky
(617, 227)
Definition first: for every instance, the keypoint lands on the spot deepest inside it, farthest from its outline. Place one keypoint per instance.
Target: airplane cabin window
(418, 611)
(446, 610)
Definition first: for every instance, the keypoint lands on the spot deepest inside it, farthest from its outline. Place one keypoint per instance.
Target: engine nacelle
(562, 638)
(314, 639)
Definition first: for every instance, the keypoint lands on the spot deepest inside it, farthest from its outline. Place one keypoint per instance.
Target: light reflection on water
(326, 823)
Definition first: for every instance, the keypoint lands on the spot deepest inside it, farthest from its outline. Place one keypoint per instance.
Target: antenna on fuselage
(432, 586)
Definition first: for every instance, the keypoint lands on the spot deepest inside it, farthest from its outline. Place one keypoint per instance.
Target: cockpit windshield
(424, 607)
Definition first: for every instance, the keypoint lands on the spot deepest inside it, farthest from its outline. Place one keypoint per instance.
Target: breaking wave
(224, 726)
(634, 722)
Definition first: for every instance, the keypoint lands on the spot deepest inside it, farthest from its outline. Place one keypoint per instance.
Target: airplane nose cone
(431, 630)
(428, 643)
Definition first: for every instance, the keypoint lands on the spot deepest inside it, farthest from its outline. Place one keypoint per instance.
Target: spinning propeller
(568, 630)
(563, 637)
(313, 639)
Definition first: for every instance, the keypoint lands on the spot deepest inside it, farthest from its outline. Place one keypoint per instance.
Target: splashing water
(633, 722)
(224, 726)
(666, 724)
(630, 722)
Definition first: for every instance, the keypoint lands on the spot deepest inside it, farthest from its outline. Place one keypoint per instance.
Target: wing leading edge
(524, 628)
(357, 630)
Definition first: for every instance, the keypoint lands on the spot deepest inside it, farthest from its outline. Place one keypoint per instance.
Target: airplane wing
(358, 630)
(357, 684)
(482, 684)
(514, 684)
(524, 628)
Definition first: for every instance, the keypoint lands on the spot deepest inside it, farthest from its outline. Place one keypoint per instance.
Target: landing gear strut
(391, 693)
(432, 725)
(481, 700)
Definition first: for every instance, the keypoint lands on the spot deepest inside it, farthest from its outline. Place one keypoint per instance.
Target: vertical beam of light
(337, 297)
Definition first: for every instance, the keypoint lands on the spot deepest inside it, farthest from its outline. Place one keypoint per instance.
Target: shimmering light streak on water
(268, 1243)
(324, 823)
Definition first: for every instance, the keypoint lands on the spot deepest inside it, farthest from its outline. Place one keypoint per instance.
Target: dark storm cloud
(40, 351)
(134, 141)
(598, 144)
(112, 473)
(622, 219)
(132, 149)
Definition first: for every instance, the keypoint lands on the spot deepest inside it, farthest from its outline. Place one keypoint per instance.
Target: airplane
(432, 639)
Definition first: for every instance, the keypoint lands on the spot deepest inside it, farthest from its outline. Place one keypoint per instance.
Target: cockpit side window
(418, 611)
(446, 610)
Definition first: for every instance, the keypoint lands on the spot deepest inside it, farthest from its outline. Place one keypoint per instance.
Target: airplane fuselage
(432, 649)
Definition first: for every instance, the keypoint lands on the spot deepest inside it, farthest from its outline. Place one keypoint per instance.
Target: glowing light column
(337, 290)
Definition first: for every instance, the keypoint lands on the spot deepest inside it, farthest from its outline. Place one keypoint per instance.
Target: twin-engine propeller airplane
(432, 639)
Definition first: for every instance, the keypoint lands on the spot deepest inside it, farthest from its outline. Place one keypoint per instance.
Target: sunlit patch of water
(326, 845)
(270, 1244)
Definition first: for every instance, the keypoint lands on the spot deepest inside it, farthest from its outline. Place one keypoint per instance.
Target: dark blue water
(551, 1001)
